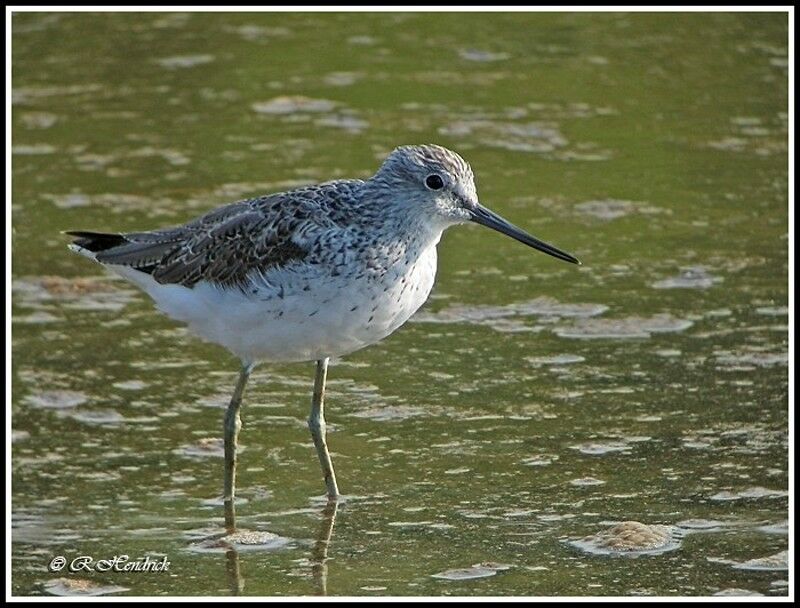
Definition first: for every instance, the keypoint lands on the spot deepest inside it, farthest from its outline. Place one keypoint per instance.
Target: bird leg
(232, 425)
(316, 424)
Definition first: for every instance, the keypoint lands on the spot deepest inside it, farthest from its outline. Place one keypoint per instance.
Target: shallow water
(530, 406)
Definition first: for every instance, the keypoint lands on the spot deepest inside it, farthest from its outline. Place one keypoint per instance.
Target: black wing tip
(96, 241)
(77, 233)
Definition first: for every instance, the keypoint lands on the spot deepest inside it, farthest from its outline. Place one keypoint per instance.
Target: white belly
(298, 315)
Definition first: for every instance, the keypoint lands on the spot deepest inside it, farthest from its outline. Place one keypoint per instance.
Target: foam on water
(631, 538)
(242, 541)
(67, 587)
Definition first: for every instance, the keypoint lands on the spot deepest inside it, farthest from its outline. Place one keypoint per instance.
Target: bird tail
(139, 250)
(89, 244)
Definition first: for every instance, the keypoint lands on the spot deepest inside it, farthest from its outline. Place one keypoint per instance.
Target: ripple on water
(38, 120)
(32, 149)
(362, 40)
(81, 293)
(482, 56)
(57, 399)
(534, 137)
(630, 538)
(292, 104)
(203, 533)
(97, 417)
(611, 209)
(34, 528)
(550, 307)
(625, 328)
(385, 413)
(705, 525)
(17, 435)
(184, 61)
(130, 385)
(778, 561)
(541, 460)
(736, 592)
(342, 79)
(781, 527)
(257, 33)
(299, 108)
(207, 447)
(508, 318)
(750, 136)
(751, 359)
(27, 95)
(117, 202)
(694, 277)
(346, 121)
(482, 570)
(749, 493)
(587, 481)
(79, 587)
(600, 449)
(219, 400)
(35, 318)
(773, 311)
(219, 501)
(564, 359)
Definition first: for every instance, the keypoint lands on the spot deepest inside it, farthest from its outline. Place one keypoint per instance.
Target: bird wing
(227, 244)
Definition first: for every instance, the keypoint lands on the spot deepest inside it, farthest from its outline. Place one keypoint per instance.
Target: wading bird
(307, 274)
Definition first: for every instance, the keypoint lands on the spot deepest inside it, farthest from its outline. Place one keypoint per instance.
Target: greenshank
(308, 274)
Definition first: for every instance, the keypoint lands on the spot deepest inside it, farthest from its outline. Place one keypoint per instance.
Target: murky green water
(530, 403)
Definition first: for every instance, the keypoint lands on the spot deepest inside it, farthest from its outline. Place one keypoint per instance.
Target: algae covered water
(620, 428)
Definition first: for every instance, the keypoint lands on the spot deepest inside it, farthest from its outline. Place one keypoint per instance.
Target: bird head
(435, 183)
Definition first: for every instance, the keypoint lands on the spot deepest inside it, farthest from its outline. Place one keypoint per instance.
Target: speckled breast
(307, 314)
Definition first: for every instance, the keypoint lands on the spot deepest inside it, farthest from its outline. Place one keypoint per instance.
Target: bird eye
(434, 182)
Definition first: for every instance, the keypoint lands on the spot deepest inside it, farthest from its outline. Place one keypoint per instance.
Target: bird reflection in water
(319, 556)
(233, 571)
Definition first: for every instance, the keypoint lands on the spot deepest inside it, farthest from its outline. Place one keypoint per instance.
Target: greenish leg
(233, 423)
(316, 424)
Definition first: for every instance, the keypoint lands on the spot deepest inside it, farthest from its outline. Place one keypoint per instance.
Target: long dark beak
(485, 217)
